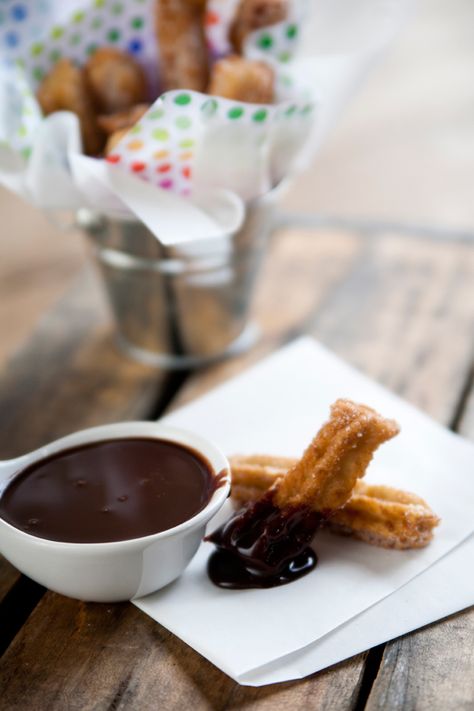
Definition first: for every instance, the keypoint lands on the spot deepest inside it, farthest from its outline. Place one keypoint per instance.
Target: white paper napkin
(208, 215)
(262, 636)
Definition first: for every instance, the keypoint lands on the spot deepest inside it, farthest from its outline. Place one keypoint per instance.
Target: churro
(253, 15)
(65, 89)
(380, 515)
(266, 543)
(386, 517)
(242, 80)
(184, 62)
(339, 454)
(122, 119)
(116, 80)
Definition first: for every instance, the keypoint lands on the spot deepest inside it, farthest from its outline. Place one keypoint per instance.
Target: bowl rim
(121, 430)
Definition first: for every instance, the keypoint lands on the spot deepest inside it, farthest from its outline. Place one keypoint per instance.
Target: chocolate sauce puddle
(262, 546)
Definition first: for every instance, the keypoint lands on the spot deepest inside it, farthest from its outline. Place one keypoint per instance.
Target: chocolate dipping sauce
(262, 546)
(111, 490)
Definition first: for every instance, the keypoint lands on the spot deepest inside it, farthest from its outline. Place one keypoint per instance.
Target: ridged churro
(184, 62)
(339, 454)
(386, 517)
(252, 15)
(117, 82)
(266, 543)
(242, 80)
(380, 515)
(65, 89)
(122, 119)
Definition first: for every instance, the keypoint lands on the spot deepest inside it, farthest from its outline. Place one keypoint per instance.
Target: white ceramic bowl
(119, 570)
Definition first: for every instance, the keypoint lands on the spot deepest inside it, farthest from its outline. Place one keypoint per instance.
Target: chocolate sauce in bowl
(262, 546)
(110, 490)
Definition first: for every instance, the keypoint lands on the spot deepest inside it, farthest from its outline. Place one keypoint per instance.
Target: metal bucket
(180, 307)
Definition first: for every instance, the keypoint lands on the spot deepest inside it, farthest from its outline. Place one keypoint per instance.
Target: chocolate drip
(263, 546)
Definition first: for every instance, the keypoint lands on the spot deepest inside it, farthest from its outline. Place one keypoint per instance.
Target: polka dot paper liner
(124, 24)
(163, 145)
(20, 22)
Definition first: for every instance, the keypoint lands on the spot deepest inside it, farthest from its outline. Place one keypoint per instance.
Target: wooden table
(399, 307)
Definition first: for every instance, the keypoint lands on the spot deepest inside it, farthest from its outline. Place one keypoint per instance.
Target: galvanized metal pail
(183, 306)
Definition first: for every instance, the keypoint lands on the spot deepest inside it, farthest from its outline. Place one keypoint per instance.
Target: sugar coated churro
(252, 15)
(242, 80)
(338, 455)
(380, 515)
(182, 46)
(65, 89)
(386, 517)
(116, 80)
(122, 119)
(266, 543)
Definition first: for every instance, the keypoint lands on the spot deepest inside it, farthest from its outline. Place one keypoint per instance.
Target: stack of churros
(110, 92)
(108, 95)
(327, 479)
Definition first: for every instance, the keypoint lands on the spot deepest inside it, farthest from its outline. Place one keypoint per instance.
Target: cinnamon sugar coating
(379, 515)
(339, 454)
(184, 62)
(242, 80)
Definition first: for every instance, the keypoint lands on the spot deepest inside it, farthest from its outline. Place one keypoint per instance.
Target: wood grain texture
(8, 577)
(375, 303)
(431, 669)
(123, 660)
(70, 375)
(37, 263)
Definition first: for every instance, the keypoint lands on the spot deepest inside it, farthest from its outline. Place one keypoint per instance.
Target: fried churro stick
(65, 89)
(111, 123)
(252, 15)
(385, 517)
(339, 454)
(116, 80)
(380, 515)
(242, 80)
(182, 44)
(253, 475)
(266, 542)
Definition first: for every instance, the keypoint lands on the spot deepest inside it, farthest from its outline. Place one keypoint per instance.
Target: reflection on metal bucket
(183, 306)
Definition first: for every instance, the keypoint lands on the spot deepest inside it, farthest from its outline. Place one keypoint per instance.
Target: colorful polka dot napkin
(186, 140)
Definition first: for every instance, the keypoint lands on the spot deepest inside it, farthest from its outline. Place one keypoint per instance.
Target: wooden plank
(402, 314)
(349, 293)
(37, 264)
(8, 577)
(431, 669)
(114, 657)
(70, 375)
